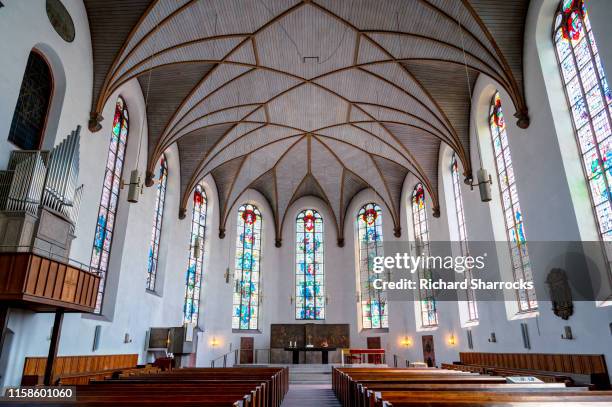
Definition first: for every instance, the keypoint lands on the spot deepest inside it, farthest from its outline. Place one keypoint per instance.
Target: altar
(308, 343)
(296, 353)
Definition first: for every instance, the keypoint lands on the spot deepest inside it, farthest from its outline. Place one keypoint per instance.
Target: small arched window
(427, 301)
(590, 99)
(247, 269)
(30, 116)
(374, 307)
(463, 241)
(160, 199)
(196, 257)
(513, 215)
(107, 211)
(309, 270)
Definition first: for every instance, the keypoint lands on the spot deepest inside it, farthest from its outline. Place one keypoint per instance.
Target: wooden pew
(380, 387)
(548, 377)
(492, 399)
(244, 387)
(75, 365)
(581, 368)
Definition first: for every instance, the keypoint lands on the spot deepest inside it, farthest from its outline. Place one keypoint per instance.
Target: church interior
(196, 197)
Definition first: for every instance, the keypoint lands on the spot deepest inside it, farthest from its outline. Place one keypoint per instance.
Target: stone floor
(309, 395)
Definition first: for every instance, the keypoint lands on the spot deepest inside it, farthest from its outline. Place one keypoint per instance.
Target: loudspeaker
(96, 338)
(470, 340)
(525, 332)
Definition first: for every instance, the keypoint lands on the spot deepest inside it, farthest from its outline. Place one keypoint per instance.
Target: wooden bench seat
(491, 399)
(429, 387)
(236, 387)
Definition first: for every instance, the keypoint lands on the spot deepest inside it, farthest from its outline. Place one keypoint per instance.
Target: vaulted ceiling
(314, 97)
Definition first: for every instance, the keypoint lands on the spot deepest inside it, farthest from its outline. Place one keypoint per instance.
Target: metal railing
(233, 357)
(396, 360)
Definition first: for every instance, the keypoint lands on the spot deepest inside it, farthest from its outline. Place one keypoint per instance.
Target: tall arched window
(246, 272)
(103, 238)
(160, 200)
(374, 307)
(463, 241)
(30, 116)
(513, 216)
(427, 301)
(193, 280)
(309, 271)
(589, 98)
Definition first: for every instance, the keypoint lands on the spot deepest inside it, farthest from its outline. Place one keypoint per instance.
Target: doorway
(429, 355)
(374, 343)
(247, 347)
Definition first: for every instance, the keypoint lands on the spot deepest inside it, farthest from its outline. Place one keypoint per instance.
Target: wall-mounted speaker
(96, 338)
(525, 333)
(470, 340)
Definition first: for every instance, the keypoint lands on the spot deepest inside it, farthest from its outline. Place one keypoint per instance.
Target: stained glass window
(463, 241)
(309, 272)
(589, 98)
(30, 115)
(374, 306)
(427, 301)
(513, 216)
(193, 280)
(160, 199)
(246, 272)
(103, 237)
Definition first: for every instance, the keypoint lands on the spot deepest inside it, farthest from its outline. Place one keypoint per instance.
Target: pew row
(385, 387)
(235, 387)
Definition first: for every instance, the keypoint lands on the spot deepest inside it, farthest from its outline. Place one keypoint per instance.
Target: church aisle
(308, 395)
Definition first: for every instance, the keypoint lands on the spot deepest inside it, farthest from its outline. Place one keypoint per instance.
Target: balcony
(34, 281)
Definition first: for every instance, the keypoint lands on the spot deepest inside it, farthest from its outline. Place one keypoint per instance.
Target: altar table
(296, 353)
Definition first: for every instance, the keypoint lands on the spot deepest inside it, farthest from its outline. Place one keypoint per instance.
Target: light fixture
(214, 342)
(452, 341)
(484, 178)
(134, 187)
(197, 248)
(406, 341)
(484, 183)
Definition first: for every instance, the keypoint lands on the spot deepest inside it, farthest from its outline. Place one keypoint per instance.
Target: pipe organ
(40, 198)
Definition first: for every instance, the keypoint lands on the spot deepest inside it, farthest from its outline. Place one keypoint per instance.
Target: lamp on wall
(452, 341)
(406, 341)
(484, 178)
(214, 342)
(197, 247)
(135, 186)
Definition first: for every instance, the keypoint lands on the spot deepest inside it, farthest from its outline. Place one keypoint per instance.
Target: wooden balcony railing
(33, 281)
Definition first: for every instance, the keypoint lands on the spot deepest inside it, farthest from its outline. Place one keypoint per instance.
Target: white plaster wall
(128, 308)
(552, 194)
(548, 178)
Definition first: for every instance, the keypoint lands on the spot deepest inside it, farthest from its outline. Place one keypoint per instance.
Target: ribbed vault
(314, 97)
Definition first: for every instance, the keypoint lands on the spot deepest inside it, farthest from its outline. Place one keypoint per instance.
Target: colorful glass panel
(107, 211)
(589, 99)
(193, 279)
(160, 199)
(513, 216)
(427, 300)
(309, 266)
(374, 306)
(463, 241)
(247, 268)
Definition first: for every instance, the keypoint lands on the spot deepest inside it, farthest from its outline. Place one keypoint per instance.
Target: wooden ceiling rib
(333, 95)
